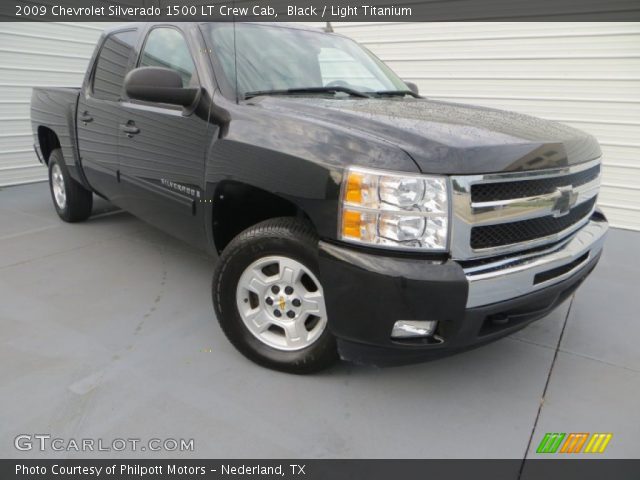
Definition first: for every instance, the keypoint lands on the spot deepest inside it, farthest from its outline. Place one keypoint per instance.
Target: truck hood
(447, 138)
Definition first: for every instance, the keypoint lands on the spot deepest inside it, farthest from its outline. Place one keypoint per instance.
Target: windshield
(282, 58)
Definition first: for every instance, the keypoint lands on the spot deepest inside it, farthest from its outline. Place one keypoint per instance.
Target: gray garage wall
(584, 74)
(35, 54)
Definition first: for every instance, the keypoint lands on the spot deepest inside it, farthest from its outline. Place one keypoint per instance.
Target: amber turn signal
(353, 193)
(351, 223)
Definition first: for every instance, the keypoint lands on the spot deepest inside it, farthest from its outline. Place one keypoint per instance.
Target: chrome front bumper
(517, 275)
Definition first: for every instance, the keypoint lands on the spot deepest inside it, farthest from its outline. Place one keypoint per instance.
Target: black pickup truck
(350, 217)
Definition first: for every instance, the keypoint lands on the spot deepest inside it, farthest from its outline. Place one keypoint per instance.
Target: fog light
(413, 328)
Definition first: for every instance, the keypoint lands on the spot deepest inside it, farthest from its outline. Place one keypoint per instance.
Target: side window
(166, 47)
(111, 66)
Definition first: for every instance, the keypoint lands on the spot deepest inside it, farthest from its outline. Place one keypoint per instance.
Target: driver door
(162, 147)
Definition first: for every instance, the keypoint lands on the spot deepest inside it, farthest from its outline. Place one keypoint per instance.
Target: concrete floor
(107, 331)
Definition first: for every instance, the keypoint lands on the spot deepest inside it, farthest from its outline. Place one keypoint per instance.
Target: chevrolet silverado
(349, 217)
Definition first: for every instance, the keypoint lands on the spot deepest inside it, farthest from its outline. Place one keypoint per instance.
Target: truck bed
(54, 108)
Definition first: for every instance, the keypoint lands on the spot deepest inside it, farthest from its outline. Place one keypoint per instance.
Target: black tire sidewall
(231, 267)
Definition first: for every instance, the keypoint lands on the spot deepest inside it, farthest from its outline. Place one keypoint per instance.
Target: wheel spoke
(259, 320)
(313, 302)
(257, 285)
(296, 332)
(287, 274)
(310, 306)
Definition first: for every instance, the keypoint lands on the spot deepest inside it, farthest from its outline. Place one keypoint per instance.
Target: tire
(279, 249)
(72, 201)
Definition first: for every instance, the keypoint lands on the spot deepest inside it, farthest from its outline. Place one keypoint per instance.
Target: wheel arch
(48, 141)
(239, 205)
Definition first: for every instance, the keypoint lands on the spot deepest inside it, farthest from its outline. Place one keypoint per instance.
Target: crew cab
(349, 217)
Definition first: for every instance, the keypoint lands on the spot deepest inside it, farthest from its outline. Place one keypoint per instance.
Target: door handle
(130, 129)
(86, 118)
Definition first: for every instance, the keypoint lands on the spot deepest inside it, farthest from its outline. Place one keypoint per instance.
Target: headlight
(391, 210)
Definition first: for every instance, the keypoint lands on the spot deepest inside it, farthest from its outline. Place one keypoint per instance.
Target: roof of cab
(134, 25)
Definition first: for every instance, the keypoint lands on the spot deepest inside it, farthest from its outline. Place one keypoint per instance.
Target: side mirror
(156, 84)
(413, 87)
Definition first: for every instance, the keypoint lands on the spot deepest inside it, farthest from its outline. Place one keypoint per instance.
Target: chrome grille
(496, 214)
(487, 192)
(525, 230)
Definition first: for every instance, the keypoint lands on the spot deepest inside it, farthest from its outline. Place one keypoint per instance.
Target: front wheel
(269, 300)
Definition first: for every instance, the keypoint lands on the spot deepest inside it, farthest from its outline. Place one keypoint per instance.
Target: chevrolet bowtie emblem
(282, 303)
(566, 198)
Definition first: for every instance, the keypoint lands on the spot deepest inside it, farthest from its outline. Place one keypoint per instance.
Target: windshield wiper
(396, 93)
(298, 91)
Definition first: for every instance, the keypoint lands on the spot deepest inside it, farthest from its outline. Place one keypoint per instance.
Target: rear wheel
(269, 300)
(72, 201)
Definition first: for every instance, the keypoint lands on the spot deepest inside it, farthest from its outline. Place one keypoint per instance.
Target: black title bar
(320, 11)
(565, 469)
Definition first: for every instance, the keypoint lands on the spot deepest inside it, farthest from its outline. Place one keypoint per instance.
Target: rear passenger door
(162, 147)
(99, 111)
